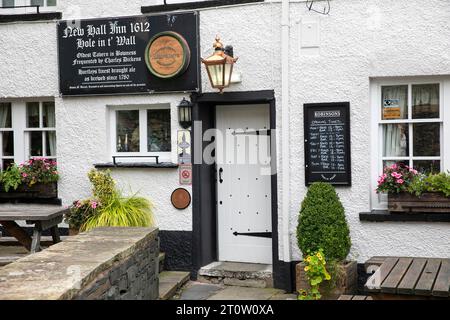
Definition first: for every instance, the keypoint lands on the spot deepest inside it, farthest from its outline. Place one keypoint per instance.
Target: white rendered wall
(359, 40)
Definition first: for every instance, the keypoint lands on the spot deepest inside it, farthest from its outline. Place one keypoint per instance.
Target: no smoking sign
(185, 171)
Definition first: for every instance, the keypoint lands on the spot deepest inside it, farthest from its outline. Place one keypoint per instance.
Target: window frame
(164, 156)
(379, 201)
(10, 129)
(19, 128)
(44, 8)
(41, 129)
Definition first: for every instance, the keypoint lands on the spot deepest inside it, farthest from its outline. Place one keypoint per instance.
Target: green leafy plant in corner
(322, 227)
(11, 178)
(438, 183)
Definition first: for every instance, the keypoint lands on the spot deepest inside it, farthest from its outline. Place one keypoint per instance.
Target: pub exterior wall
(359, 41)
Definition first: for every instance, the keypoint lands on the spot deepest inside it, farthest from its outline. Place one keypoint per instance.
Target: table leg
(55, 234)
(36, 243)
(17, 232)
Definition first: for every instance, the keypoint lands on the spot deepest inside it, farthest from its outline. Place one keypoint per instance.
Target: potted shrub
(322, 228)
(36, 178)
(410, 191)
(108, 207)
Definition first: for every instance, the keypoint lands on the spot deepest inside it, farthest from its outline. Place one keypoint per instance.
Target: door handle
(220, 175)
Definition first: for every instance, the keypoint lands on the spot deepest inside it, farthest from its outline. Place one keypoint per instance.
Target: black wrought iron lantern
(185, 113)
(220, 66)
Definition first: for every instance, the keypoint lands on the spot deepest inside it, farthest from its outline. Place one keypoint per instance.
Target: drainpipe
(286, 199)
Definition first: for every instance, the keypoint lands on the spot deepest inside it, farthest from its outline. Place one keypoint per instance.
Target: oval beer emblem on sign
(167, 55)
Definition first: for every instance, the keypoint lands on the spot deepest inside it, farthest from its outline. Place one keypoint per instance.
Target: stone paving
(203, 291)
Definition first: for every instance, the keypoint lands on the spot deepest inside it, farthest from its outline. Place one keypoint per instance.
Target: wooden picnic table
(411, 276)
(42, 217)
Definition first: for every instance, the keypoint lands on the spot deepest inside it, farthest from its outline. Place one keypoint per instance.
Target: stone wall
(103, 264)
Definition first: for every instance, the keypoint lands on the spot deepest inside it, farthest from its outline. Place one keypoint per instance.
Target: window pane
(394, 102)
(32, 114)
(389, 163)
(8, 3)
(426, 139)
(395, 140)
(51, 144)
(36, 144)
(37, 2)
(427, 166)
(8, 143)
(127, 130)
(48, 108)
(51, 3)
(158, 122)
(5, 115)
(425, 101)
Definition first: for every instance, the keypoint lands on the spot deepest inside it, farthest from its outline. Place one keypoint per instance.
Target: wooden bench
(41, 217)
(356, 297)
(424, 277)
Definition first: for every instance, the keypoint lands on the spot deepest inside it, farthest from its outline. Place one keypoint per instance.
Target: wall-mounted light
(220, 65)
(185, 113)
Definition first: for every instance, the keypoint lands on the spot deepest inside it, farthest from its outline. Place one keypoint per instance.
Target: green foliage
(11, 178)
(103, 185)
(316, 272)
(322, 223)
(108, 207)
(418, 185)
(438, 183)
(122, 212)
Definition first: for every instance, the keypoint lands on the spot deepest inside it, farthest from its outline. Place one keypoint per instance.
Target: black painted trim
(140, 165)
(283, 272)
(194, 5)
(30, 17)
(383, 216)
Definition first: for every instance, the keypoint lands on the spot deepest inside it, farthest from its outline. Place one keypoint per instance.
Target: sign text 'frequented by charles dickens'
(108, 56)
(327, 143)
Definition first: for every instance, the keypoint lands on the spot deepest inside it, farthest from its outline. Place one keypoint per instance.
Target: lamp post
(219, 66)
(185, 113)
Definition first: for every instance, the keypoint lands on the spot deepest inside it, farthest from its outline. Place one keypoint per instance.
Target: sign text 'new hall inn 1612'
(129, 55)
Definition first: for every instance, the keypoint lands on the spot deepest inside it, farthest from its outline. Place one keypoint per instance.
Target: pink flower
(413, 171)
(400, 181)
(24, 175)
(94, 204)
(396, 175)
(78, 204)
(394, 166)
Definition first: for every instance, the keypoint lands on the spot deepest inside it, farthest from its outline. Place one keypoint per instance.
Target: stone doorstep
(170, 282)
(237, 274)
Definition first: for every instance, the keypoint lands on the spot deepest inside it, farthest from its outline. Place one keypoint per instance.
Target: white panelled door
(244, 184)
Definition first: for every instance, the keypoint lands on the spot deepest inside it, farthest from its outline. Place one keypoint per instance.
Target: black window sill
(383, 216)
(138, 165)
(30, 17)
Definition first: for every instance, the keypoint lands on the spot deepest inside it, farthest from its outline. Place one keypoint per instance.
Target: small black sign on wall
(327, 143)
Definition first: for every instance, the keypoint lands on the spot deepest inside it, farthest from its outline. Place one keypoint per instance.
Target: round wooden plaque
(167, 55)
(181, 198)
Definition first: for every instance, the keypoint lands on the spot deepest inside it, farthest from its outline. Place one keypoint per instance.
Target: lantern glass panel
(228, 71)
(216, 74)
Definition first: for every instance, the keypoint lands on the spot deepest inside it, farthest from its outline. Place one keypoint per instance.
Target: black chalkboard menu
(110, 55)
(327, 143)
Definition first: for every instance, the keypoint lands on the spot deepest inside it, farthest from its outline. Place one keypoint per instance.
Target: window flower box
(36, 191)
(429, 202)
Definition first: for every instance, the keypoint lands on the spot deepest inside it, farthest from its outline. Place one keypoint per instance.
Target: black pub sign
(327, 143)
(129, 55)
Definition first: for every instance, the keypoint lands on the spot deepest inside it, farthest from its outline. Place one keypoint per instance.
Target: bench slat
(374, 282)
(426, 281)
(390, 284)
(409, 281)
(442, 285)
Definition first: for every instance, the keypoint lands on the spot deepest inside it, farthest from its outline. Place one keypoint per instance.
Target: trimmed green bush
(322, 223)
